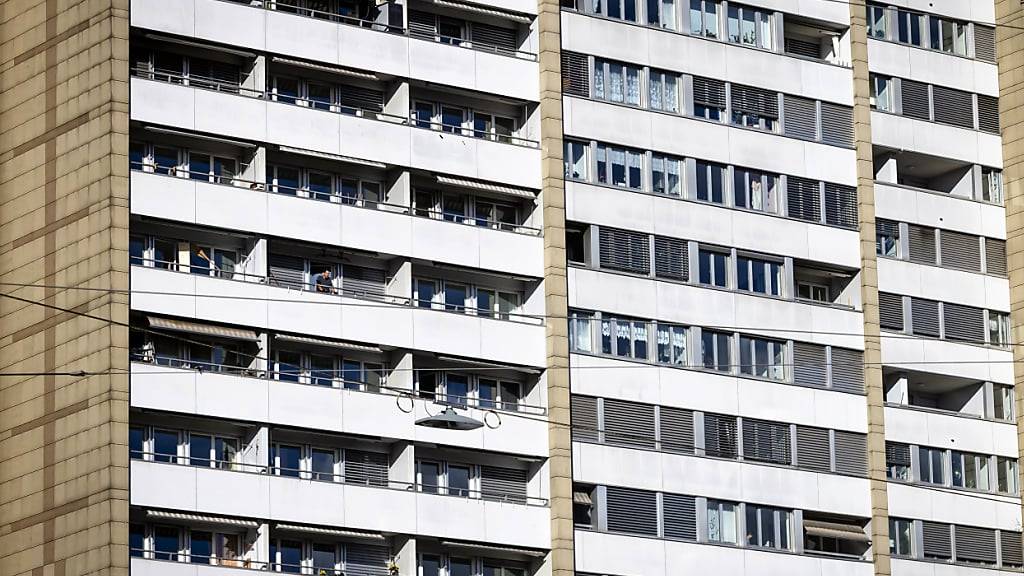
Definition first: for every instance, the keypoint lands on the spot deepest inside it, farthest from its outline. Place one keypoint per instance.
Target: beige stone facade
(63, 223)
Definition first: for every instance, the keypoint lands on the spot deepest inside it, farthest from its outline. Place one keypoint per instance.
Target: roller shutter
(847, 370)
(954, 107)
(803, 198)
(676, 430)
(915, 99)
(810, 364)
(837, 124)
(625, 250)
(813, 449)
(628, 424)
(503, 484)
(995, 256)
(632, 511)
(671, 258)
(680, 516)
(925, 317)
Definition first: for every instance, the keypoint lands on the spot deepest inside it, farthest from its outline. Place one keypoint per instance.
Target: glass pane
(424, 293)
(287, 460)
(136, 539)
(165, 543)
(430, 474)
(460, 567)
(430, 565)
(456, 388)
(200, 547)
(288, 366)
(423, 114)
(199, 450)
(451, 119)
(290, 553)
(487, 392)
(321, 370)
(323, 464)
(199, 166)
(225, 450)
(320, 185)
(165, 159)
(319, 95)
(136, 442)
(510, 395)
(165, 446)
(458, 480)
(287, 180)
(454, 297)
(287, 90)
(324, 557)
(352, 374)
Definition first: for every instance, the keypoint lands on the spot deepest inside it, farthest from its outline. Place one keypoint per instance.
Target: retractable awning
(330, 531)
(514, 16)
(579, 497)
(326, 68)
(200, 518)
(486, 187)
(326, 342)
(329, 156)
(477, 547)
(481, 364)
(202, 329)
(835, 530)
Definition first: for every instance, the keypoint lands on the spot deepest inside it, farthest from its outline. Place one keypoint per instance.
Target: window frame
(717, 509)
(782, 527)
(774, 274)
(712, 269)
(708, 17)
(763, 20)
(775, 349)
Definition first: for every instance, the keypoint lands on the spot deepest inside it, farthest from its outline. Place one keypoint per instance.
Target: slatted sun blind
(995, 256)
(680, 516)
(921, 244)
(836, 124)
(803, 198)
(765, 441)
(847, 368)
(936, 540)
(915, 99)
(851, 453)
(287, 271)
(975, 544)
(890, 311)
(504, 484)
(988, 114)
(583, 411)
(720, 435)
(960, 251)
(810, 364)
(671, 258)
(965, 323)
(632, 511)
(708, 92)
(628, 423)
(624, 250)
(366, 560)
(801, 117)
(954, 107)
(575, 74)
(676, 427)
(813, 449)
(985, 43)
(925, 316)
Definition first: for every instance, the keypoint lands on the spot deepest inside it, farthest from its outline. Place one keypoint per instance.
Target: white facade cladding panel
(717, 142)
(933, 67)
(927, 428)
(954, 507)
(318, 40)
(718, 393)
(902, 133)
(667, 50)
(329, 409)
(146, 567)
(903, 567)
(704, 222)
(721, 479)
(965, 360)
(293, 500)
(390, 142)
(620, 554)
(329, 316)
(938, 209)
(942, 284)
(696, 305)
(385, 231)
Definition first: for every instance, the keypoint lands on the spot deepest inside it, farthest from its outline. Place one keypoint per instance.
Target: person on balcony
(323, 282)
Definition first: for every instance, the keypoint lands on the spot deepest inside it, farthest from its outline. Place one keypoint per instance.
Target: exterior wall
(63, 223)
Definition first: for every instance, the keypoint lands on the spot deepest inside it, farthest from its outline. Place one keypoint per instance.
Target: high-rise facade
(509, 288)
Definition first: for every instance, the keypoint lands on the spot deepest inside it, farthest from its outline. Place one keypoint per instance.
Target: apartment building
(510, 288)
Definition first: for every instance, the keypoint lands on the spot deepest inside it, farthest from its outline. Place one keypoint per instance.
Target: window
(616, 82)
(881, 96)
(768, 527)
(202, 166)
(887, 238)
(755, 190)
(762, 358)
(580, 332)
(425, 293)
(429, 477)
(212, 451)
(998, 328)
(969, 470)
(755, 108)
(430, 565)
(286, 89)
(619, 167)
(897, 461)
(931, 461)
(287, 555)
(136, 442)
(947, 35)
(661, 13)
(750, 26)
(165, 445)
(715, 352)
(492, 127)
(663, 90)
(710, 182)
(704, 18)
(1006, 475)
(1002, 402)
(166, 542)
(721, 522)
(456, 389)
(909, 28)
(758, 276)
(423, 114)
(665, 175)
(576, 166)
(452, 119)
(991, 185)
(713, 268)
(325, 558)
(813, 292)
(672, 345)
(136, 539)
(901, 537)
(582, 506)
(284, 179)
(618, 9)
(709, 99)
(623, 337)
(877, 19)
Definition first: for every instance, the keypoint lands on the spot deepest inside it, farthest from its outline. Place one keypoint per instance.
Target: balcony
(600, 553)
(397, 507)
(904, 567)
(932, 428)
(390, 413)
(953, 506)
(382, 228)
(713, 141)
(935, 283)
(348, 42)
(904, 203)
(722, 479)
(372, 136)
(665, 49)
(903, 133)
(934, 67)
(967, 361)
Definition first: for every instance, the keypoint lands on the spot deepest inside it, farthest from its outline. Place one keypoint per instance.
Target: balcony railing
(330, 197)
(334, 379)
(371, 478)
(347, 20)
(216, 85)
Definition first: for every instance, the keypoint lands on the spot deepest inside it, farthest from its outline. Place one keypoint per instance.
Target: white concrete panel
(305, 406)
(162, 103)
(231, 301)
(976, 11)
(521, 6)
(149, 482)
(935, 139)
(247, 118)
(381, 141)
(229, 395)
(248, 28)
(231, 207)
(514, 76)
(939, 210)
(459, 243)
(172, 391)
(385, 52)
(713, 141)
(724, 479)
(929, 428)
(667, 50)
(303, 218)
(933, 67)
(953, 506)
(163, 196)
(904, 567)
(710, 392)
(521, 254)
(449, 65)
(177, 18)
(243, 494)
(649, 298)
(370, 321)
(303, 127)
(391, 510)
(146, 567)
(703, 222)
(517, 165)
(301, 36)
(964, 360)
(382, 231)
(943, 284)
(307, 501)
(613, 554)
(514, 523)
(303, 312)
(152, 289)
